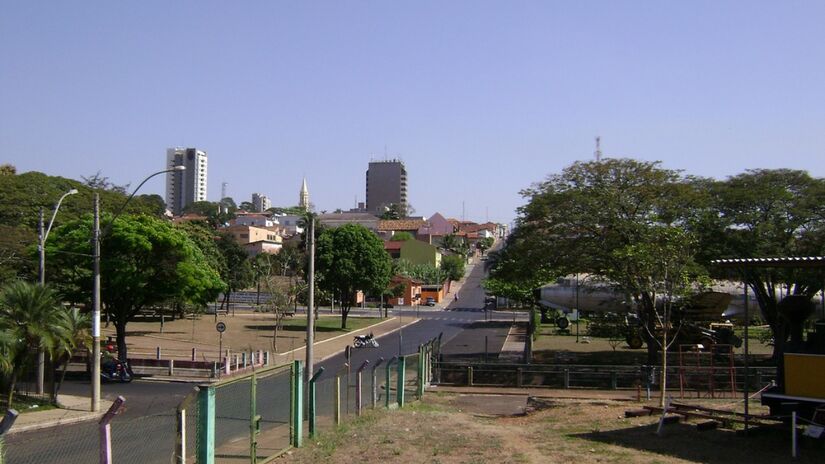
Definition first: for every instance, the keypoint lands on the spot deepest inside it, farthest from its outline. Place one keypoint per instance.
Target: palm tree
(30, 314)
(74, 331)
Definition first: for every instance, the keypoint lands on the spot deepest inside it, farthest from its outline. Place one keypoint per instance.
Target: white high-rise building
(185, 187)
(261, 202)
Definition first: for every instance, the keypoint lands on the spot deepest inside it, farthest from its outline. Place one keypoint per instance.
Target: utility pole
(598, 152)
(96, 308)
(311, 303)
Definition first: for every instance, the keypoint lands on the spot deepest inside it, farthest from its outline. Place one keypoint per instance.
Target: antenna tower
(598, 152)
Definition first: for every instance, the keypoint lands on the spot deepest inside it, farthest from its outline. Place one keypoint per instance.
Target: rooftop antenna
(598, 152)
(223, 189)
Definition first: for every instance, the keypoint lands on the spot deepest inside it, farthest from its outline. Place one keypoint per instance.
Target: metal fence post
(180, 440)
(422, 368)
(375, 382)
(106, 431)
(311, 383)
(469, 376)
(206, 425)
(358, 401)
(387, 384)
(567, 378)
(5, 425)
(614, 381)
(401, 380)
(297, 404)
(345, 367)
(254, 419)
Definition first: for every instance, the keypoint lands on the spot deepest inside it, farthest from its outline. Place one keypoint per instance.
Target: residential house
(412, 291)
(414, 251)
(256, 239)
(435, 229)
(289, 223)
(388, 228)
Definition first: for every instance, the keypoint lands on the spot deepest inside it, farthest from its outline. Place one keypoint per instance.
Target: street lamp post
(41, 246)
(96, 238)
(43, 235)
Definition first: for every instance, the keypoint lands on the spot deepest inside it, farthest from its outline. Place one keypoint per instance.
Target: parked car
(430, 301)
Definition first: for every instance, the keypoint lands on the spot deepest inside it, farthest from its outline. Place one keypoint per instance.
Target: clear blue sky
(480, 99)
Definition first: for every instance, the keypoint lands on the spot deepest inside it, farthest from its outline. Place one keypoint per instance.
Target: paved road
(144, 433)
(148, 418)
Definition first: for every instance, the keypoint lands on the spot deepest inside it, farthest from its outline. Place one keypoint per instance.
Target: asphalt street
(145, 431)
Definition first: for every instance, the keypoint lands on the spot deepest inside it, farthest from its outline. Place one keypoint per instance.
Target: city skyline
(479, 99)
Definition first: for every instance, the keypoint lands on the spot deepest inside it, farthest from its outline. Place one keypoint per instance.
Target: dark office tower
(386, 185)
(185, 187)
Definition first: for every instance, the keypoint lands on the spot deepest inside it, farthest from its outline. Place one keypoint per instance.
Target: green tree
(144, 262)
(25, 194)
(765, 213)
(7, 170)
(29, 315)
(393, 211)
(236, 270)
(484, 244)
(455, 244)
(402, 236)
(291, 210)
(453, 266)
(74, 328)
(351, 258)
(216, 213)
(590, 219)
(426, 273)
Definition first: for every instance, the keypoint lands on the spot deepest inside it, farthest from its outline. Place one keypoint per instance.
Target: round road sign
(220, 327)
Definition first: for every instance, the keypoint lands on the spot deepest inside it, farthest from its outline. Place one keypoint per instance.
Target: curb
(63, 421)
(207, 380)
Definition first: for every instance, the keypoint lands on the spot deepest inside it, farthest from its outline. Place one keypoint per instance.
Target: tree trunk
(344, 314)
(12, 384)
(120, 330)
(649, 319)
(664, 366)
(64, 366)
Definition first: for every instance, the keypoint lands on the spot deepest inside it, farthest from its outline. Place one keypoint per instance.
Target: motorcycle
(361, 341)
(116, 371)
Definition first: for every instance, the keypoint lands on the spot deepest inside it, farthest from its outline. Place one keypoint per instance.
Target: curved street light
(96, 237)
(41, 248)
(45, 235)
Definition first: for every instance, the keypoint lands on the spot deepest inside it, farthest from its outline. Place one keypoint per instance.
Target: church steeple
(303, 199)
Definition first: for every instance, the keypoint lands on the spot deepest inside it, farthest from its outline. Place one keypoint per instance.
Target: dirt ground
(245, 331)
(456, 428)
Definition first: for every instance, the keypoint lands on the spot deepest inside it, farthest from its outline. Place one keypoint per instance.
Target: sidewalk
(75, 409)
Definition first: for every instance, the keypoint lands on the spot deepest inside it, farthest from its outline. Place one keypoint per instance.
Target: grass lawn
(24, 404)
(551, 347)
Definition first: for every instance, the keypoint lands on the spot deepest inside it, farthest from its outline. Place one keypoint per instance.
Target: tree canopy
(349, 259)
(25, 194)
(144, 262)
(765, 213)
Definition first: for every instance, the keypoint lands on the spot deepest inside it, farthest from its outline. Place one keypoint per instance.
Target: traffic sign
(221, 327)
